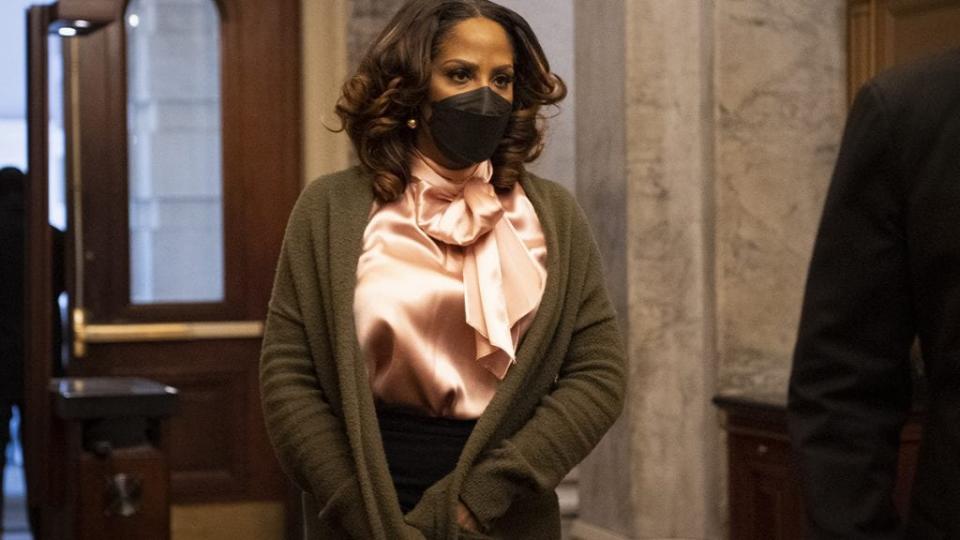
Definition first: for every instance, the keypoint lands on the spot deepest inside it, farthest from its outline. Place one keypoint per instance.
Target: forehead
(475, 40)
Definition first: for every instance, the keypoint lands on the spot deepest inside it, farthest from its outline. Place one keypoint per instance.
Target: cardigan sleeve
(569, 421)
(309, 439)
(850, 385)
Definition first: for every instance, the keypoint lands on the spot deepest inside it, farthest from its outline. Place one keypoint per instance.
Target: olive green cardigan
(554, 405)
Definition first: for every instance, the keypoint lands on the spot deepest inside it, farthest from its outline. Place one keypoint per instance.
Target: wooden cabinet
(765, 500)
(763, 492)
(764, 496)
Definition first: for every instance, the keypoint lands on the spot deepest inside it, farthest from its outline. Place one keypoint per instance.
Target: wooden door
(884, 33)
(179, 185)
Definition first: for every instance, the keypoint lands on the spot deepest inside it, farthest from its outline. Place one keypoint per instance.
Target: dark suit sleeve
(850, 387)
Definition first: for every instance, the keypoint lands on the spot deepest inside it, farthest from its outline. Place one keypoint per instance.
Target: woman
(440, 350)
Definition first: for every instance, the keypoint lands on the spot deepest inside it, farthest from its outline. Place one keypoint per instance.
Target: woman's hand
(465, 518)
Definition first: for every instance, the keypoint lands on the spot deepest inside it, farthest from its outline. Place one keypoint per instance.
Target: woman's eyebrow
(460, 62)
(471, 65)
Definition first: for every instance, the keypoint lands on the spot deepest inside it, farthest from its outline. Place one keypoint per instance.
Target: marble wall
(553, 23)
(324, 33)
(606, 493)
(366, 19)
(733, 111)
(780, 103)
(669, 126)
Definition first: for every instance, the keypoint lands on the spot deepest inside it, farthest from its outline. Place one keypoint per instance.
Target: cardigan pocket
(338, 518)
(470, 535)
(426, 515)
(532, 517)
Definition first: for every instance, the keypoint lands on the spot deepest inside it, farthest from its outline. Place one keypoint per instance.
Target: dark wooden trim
(38, 287)
(94, 11)
(883, 33)
(901, 7)
(270, 165)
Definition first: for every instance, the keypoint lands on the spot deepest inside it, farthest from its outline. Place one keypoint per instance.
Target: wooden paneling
(144, 465)
(884, 33)
(207, 456)
(861, 44)
(765, 497)
(217, 450)
(38, 308)
(921, 28)
(95, 11)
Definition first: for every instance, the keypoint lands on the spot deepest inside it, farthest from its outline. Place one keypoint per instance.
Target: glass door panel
(175, 182)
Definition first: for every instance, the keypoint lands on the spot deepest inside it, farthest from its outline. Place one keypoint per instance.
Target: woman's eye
(503, 81)
(459, 76)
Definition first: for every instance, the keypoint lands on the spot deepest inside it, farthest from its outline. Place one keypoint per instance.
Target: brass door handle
(137, 333)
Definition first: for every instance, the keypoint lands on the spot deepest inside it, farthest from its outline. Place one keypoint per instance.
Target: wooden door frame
(38, 292)
(262, 162)
(261, 78)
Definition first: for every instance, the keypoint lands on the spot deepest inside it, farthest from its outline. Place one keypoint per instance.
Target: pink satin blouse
(450, 278)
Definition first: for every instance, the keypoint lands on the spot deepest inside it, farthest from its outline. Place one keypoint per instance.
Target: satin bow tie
(458, 214)
(502, 282)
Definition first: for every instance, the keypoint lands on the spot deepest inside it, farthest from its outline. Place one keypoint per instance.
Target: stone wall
(780, 71)
(733, 113)
(365, 20)
(669, 126)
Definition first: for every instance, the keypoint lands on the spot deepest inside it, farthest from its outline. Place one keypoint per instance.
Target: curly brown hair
(393, 80)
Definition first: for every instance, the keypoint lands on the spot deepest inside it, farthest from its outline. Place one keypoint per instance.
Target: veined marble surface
(669, 146)
(367, 18)
(780, 69)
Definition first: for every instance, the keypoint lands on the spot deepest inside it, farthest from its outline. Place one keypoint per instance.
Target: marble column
(605, 480)
(324, 31)
(731, 112)
(656, 475)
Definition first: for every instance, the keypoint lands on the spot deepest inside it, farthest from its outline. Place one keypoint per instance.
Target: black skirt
(420, 451)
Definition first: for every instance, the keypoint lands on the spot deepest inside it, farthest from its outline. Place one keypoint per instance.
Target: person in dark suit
(12, 282)
(11, 303)
(885, 270)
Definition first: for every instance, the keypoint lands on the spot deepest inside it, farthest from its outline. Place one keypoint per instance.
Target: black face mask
(468, 127)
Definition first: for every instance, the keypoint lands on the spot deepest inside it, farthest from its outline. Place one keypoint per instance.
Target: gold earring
(412, 123)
